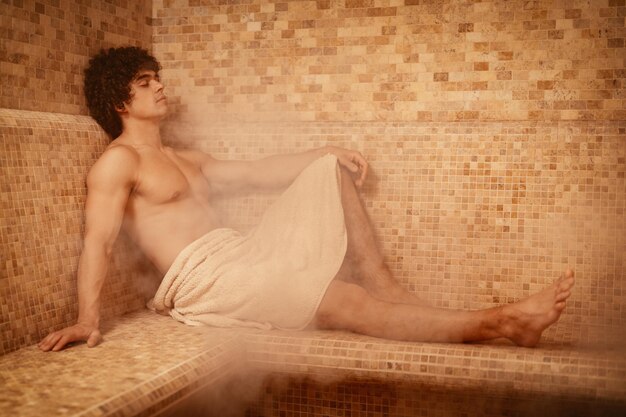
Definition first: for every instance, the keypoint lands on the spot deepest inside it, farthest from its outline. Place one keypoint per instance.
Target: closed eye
(144, 80)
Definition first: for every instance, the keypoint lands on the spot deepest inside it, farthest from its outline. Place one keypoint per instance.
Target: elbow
(252, 179)
(108, 250)
(95, 244)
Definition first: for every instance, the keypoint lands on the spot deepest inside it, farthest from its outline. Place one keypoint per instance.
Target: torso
(169, 206)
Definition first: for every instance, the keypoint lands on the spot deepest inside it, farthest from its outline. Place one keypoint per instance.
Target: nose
(159, 85)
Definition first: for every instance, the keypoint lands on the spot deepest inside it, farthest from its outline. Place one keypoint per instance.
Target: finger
(41, 342)
(364, 173)
(363, 167)
(59, 345)
(359, 159)
(94, 338)
(350, 165)
(53, 340)
(46, 341)
(47, 337)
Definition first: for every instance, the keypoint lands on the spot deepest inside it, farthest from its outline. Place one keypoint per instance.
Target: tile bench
(148, 363)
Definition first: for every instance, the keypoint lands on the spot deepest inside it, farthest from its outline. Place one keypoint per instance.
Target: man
(162, 197)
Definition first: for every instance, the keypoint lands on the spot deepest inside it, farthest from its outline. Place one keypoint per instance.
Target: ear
(121, 109)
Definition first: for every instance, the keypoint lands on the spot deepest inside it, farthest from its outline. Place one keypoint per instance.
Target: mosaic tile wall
(472, 214)
(401, 60)
(44, 47)
(44, 158)
(484, 211)
(46, 44)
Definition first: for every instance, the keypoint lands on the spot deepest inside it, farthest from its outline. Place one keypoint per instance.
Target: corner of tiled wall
(46, 147)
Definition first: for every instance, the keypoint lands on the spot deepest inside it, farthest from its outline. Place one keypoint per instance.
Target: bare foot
(525, 320)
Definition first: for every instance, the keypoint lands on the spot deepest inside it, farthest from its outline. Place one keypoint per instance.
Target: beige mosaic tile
(286, 395)
(145, 362)
(44, 159)
(593, 369)
(45, 45)
(394, 60)
(472, 214)
(529, 179)
(152, 365)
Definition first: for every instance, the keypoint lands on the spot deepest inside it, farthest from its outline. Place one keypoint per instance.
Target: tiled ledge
(147, 362)
(583, 370)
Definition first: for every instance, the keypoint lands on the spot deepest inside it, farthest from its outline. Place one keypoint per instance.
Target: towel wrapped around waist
(274, 276)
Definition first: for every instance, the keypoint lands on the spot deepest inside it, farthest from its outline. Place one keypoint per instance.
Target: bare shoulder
(118, 165)
(202, 160)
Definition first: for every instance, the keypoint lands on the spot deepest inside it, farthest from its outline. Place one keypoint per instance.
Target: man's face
(147, 98)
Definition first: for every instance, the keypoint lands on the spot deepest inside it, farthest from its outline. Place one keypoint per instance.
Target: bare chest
(166, 177)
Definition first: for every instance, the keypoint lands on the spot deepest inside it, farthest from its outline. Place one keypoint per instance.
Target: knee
(342, 307)
(375, 265)
(368, 264)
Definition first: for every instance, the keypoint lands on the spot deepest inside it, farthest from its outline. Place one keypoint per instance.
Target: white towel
(276, 275)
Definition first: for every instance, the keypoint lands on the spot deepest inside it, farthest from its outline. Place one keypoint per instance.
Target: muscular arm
(272, 172)
(109, 183)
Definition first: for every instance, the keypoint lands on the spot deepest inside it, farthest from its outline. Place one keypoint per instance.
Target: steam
(244, 388)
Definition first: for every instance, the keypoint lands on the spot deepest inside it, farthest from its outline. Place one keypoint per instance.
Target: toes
(560, 306)
(567, 277)
(562, 296)
(566, 284)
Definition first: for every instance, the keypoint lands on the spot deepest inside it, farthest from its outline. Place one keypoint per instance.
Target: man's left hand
(353, 161)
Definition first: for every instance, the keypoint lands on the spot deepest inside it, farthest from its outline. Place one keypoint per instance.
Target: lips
(162, 98)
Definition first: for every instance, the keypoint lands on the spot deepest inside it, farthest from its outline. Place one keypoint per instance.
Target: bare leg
(349, 307)
(368, 268)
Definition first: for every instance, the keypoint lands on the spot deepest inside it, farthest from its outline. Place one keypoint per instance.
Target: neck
(144, 132)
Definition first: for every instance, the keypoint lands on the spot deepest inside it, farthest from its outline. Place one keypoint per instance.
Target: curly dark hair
(107, 83)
